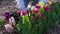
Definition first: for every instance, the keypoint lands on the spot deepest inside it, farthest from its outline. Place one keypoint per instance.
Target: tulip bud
(12, 21)
(31, 17)
(18, 12)
(40, 16)
(9, 28)
(46, 7)
(38, 6)
(7, 15)
(35, 10)
(24, 12)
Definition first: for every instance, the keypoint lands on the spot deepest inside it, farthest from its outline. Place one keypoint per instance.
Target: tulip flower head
(38, 6)
(7, 15)
(35, 10)
(24, 12)
(18, 12)
(12, 21)
(9, 28)
(31, 17)
(40, 16)
(46, 7)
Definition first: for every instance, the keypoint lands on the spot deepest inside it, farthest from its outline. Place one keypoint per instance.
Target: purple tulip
(10, 14)
(7, 15)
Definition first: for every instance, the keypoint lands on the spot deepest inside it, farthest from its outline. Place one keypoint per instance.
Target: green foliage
(15, 16)
(26, 25)
(2, 22)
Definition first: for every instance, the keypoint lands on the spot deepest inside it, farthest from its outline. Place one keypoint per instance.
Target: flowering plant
(35, 20)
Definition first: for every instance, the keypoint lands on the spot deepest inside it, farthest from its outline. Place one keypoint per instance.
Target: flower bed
(33, 21)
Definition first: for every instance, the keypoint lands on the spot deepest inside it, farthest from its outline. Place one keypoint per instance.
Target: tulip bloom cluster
(9, 27)
(9, 17)
(27, 16)
(30, 18)
(11, 23)
(34, 20)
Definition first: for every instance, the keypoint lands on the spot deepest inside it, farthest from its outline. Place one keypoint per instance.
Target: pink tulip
(35, 10)
(38, 6)
(12, 21)
(40, 16)
(18, 12)
(9, 28)
(31, 17)
(46, 7)
(24, 12)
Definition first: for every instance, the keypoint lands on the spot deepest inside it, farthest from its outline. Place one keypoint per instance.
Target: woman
(23, 3)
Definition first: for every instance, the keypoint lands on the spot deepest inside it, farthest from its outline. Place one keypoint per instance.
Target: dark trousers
(27, 1)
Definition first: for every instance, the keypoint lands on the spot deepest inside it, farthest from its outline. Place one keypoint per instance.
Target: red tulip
(46, 7)
(38, 6)
(18, 12)
(40, 16)
(35, 10)
(24, 12)
(31, 17)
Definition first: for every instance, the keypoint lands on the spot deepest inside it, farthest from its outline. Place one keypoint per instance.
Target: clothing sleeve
(21, 4)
